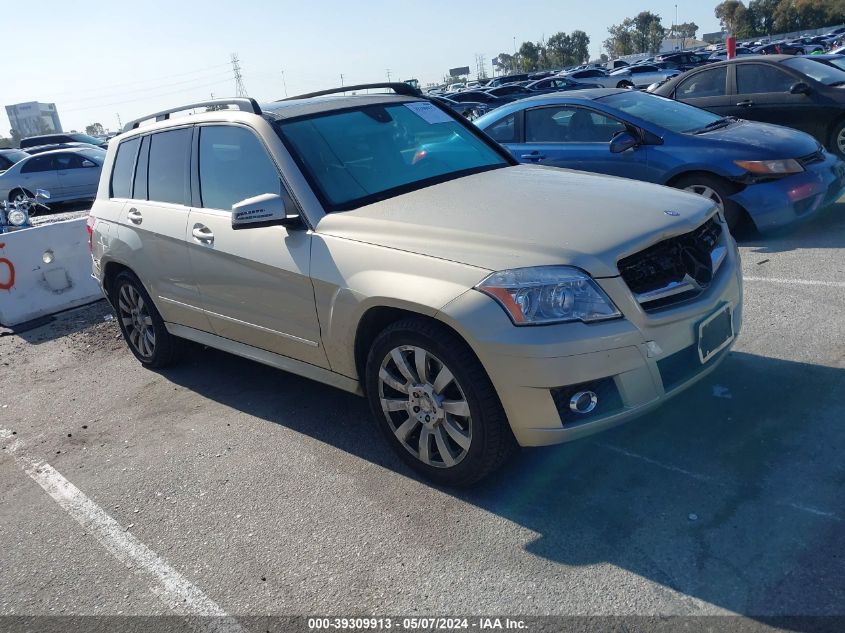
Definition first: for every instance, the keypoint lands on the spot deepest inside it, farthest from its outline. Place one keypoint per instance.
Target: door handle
(745, 104)
(533, 156)
(134, 216)
(202, 234)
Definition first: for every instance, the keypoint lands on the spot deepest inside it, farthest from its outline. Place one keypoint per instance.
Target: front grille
(682, 266)
(609, 400)
(810, 159)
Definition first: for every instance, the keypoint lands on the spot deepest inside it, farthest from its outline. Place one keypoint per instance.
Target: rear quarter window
(124, 163)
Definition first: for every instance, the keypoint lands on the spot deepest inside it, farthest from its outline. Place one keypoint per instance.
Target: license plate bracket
(715, 333)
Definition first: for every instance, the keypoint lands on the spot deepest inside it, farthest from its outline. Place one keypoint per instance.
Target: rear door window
(167, 173)
(707, 83)
(40, 163)
(124, 162)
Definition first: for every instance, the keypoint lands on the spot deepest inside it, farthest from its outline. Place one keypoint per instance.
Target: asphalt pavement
(223, 487)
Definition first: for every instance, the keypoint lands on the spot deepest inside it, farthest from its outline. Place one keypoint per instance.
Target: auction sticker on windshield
(429, 112)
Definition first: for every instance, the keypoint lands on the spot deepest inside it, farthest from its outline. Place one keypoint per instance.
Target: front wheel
(625, 84)
(837, 139)
(718, 191)
(21, 198)
(141, 324)
(435, 403)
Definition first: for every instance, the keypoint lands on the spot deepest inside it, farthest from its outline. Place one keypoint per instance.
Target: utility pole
(240, 90)
(341, 80)
(388, 75)
(119, 124)
(284, 83)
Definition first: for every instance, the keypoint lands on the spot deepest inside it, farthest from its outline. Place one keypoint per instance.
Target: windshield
(375, 152)
(822, 73)
(84, 138)
(666, 113)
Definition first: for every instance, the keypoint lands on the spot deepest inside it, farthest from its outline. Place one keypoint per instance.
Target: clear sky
(99, 58)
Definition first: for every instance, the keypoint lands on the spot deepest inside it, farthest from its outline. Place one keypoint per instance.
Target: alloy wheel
(136, 321)
(425, 406)
(22, 202)
(840, 141)
(707, 192)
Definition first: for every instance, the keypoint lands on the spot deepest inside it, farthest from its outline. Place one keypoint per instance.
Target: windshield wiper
(715, 125)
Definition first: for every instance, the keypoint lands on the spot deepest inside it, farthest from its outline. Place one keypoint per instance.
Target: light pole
(284, 83)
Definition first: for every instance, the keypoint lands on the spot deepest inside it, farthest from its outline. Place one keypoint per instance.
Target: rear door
(255, 282)
(707, 89)
(40, 173)
(154, 222)
(578, 138)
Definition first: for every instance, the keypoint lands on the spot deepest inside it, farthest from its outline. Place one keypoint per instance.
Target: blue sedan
(765, 174)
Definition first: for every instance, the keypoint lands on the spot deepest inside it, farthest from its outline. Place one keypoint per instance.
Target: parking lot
(224, 487)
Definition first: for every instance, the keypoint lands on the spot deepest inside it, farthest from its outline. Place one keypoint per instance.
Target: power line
(107, 88)
(150, 96)
(213, 76)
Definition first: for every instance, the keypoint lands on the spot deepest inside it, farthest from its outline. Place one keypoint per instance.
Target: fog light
(583, 402)
(47, 257)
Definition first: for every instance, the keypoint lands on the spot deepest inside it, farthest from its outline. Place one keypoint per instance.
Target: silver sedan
(639, 76)
(68, 175)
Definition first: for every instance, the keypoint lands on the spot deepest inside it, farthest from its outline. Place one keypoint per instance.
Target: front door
(577, 138)
(39, 172)
(255, 282)
(78, 176)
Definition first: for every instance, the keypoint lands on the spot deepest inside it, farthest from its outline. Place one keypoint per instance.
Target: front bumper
(531, 366)
(778, 203)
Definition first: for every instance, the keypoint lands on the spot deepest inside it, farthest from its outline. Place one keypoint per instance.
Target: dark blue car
(766, 174)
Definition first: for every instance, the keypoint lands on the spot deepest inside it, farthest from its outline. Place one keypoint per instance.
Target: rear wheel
(624, 84)
(435, 403)
(141, 324)
(718, 191)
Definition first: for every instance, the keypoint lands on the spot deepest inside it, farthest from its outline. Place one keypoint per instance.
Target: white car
(640, 76)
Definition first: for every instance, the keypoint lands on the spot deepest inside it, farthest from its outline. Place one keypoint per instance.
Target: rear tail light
(89, 226)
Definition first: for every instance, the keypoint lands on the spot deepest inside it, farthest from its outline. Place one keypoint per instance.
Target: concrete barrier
(43, 270)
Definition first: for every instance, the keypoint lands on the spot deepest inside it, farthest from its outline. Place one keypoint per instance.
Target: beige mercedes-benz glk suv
(382, 245)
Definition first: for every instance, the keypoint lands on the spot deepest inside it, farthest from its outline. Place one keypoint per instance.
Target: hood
(525, 215)
(776, 141)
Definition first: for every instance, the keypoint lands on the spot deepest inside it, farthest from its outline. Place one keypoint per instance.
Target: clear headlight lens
(16, 217)
(549, 294)
(770, 167)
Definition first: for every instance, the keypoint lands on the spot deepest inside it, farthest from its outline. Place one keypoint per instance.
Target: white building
(33, 118)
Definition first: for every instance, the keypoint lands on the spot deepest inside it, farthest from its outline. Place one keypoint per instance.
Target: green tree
(733, 16)
(621, 40)
(529, 53)
(761, 16)
(505, 62)
(95, 129)
(649, 32)
(559, 49)
(580, 46)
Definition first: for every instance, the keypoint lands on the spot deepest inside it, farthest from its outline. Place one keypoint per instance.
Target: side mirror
(800, 88)
(268, 209)
(42, 193)
(622, 142)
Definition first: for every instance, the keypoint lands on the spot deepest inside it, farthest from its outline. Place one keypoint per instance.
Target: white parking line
(169, 585)
(798, 282)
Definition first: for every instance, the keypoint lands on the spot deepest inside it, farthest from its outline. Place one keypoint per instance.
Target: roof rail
(397, 87)
(244, 104)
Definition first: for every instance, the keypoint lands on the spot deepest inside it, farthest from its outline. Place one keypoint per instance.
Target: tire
(31, 209)
(719, 191)
(467, 418)
(625, 84)
(141, 324)
(837, 139)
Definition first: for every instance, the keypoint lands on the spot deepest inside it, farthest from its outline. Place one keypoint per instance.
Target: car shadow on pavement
(731, 493)
(825, 230)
